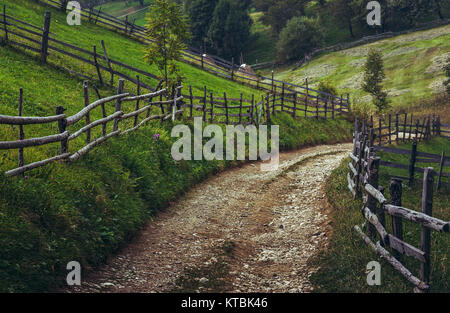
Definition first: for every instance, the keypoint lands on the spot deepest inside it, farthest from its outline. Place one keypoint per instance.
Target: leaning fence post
(396, 128)
(100, 78)
(389, 128)
(240, 110)
(45, 33)
(118, 104)
(374, 163)
(427, 208)
(441, 166)
(191, 101)
(62, 124)
(86, 103)
(412, 162)
(138, 90)
(395, 191)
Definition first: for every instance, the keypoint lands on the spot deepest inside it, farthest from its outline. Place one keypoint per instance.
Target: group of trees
(220, 25)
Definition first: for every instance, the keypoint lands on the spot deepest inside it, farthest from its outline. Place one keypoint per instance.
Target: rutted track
(273, 223)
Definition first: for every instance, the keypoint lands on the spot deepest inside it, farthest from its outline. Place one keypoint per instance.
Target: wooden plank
(27, 120)
(375, 193)
(92, 145)
(406, 249)
(94, 124)
(418, 217)
(374, 221)
(393, 261)
(427, 205)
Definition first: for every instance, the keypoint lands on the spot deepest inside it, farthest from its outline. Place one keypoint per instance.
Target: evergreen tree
(373, 79)
(230, 28)
(200, 13)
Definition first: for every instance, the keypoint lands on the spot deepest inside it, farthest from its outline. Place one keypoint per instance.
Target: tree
(343, 12)
(373, 79)
(200, 12)
(168, 30)
(300, 36)
(230, 28)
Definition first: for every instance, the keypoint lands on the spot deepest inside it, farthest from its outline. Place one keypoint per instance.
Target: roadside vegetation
(343, 265)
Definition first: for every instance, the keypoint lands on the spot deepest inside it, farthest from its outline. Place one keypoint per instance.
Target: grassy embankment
(87, 210)
(343, 266)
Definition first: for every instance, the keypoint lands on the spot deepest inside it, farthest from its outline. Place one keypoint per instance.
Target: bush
(328, 87)
(300, 36)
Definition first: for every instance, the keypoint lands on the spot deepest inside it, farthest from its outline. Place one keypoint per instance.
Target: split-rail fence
(363, 180)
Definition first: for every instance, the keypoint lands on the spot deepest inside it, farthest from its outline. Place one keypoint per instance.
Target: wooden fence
(72, 127)
(210, 63)
(363, 179)
(403, 128)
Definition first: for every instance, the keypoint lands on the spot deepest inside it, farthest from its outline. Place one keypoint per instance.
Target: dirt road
(241, 231)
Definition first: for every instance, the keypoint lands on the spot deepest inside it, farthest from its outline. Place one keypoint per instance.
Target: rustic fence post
(395, 191)
(374, 163)
(99, 73)
(86, 103)
(240, 110)
(379, 132)
(326, 108)
(108, 62)
(412, 162)
(251, 109)
(410, 127)
(138, 90)
(317, 108)
(118, 104)
(268, 110)
(396, 128)
(211, 97)
(204, 103)
(191, 100)
(282, 97)
(389, 128)
(274, 99)
(21, 133)
(438, 125)
(427, 208)
(441, 166)
(62, 124)
(203, 62)
(404, 126)
(45, 33)
(272, 81)
(226, 107)
(332, 109)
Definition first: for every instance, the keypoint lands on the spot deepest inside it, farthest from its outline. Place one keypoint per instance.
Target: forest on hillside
(292, 28)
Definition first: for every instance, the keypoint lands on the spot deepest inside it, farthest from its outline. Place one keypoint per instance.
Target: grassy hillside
(132, 9)
(413, 66)
(119, 48)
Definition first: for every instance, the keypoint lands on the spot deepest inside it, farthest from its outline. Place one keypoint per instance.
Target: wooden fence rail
(210, 63)
(65, 136)
(363, 180)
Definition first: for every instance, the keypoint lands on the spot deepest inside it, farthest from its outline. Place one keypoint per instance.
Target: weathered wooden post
(138, 90)
(240, 110)
(268, 110)
(395, 191)
(86, 103)
(380, 136)
(282, 97)
(389, 128)
(211, 97)
(21, 133)
(45, 33)
(191, 100)
(203, 62)
(251, 109)
(97, 66)
(372, 202)
(404, 127)
(441, 166)
(396, 128)
(226, 107)
(62, 124)
(412, 162)
(272, 81)
(317, 108)
(294, 113)
(232, 68)
(204, 103)
(108, 62)
(274, 99)
(427, 208)
(118, 104)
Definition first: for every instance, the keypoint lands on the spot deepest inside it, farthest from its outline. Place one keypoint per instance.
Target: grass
(412, 65)
(119, 47)
(130, 8)
(343, 265)
(87, 210)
